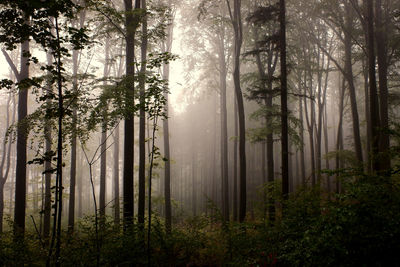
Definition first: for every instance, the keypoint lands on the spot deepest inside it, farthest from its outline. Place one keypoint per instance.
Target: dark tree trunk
(103, 144)
(339, 138)
(71, 210)
(350, 82)
(142, 121)
(224, 128)
(381, 49)
(116, 177)
(194, 182)
(373, 95)
(238, 39)
(367, 119)
(130, 25)
(284, 108)
(310, 124)
(235, 161)
(103, 169)
(22, 135)
(302, 163)
(47, 175)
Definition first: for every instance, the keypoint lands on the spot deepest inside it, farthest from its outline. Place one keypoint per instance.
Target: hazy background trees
(265, 98)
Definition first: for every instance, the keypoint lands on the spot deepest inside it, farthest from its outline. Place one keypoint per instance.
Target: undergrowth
(360, 227)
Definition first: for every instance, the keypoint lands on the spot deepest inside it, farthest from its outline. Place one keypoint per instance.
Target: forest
(200, 133)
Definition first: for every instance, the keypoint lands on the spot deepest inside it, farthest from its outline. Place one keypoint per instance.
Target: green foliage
(259, 134)
(360, 227)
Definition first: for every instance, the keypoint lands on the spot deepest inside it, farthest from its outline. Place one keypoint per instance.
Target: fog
(203, 82)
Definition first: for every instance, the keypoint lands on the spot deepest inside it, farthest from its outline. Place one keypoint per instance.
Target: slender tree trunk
(326, 142)
(47, 175)
(142, 121)
(238, 39)
(22, 136)
(72, 186)
(116, 177)
(167, 171)
(71, 210)
(130, 25)
(235, 161)
(373, 95)
(284, 108)
(310, 126)
(194, 183)
(367, 119)
(381, 48)
(103, 144)
(350, 81)
(224, 129)
(6, 159)
(302, 163)
(339, 140)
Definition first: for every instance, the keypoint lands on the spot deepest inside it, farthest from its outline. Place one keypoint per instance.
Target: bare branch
(11, 64)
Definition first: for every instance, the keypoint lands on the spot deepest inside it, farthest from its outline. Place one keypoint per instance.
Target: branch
(230, 11)
(12, 65)
(111, 21)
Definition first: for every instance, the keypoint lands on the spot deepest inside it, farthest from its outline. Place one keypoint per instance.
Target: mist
(199, 133)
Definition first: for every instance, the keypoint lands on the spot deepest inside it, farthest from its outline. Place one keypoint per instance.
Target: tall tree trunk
(310, 124)
(116, 177)
(167, 171)
(367, 119)
(103, 144)
(47, 168)
(373, 95)
(224, 128)
(6, 159)
(71, 210)
(194, 182)
(235, 161)
(22, 136)
(326, 142)
(238, 39)
(339, 138)
(284, 108)
(142, 120)
(350, 81)
(130, 26)
(302, 163)
(381, 48)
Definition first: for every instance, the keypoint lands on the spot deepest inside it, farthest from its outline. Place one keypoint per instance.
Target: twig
(37, 231)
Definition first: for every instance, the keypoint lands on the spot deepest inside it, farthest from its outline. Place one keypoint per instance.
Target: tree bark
(6, 160)
(103, 144)
(238, 39)
(167, 162)
(116, 177)
(350, 82)
(373, 95)
(235, 162)
(284, 108)
(224, 127)
(22, 136)
(142, 120)
(381, 49)
(130, 26)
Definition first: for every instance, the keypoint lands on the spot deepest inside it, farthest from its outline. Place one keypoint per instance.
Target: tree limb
(11, 64)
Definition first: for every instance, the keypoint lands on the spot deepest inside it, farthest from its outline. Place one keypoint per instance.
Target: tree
(131, 24)
(6, 157)
(142, 119)
(235, 16)
(167, 47)
(284, 109)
